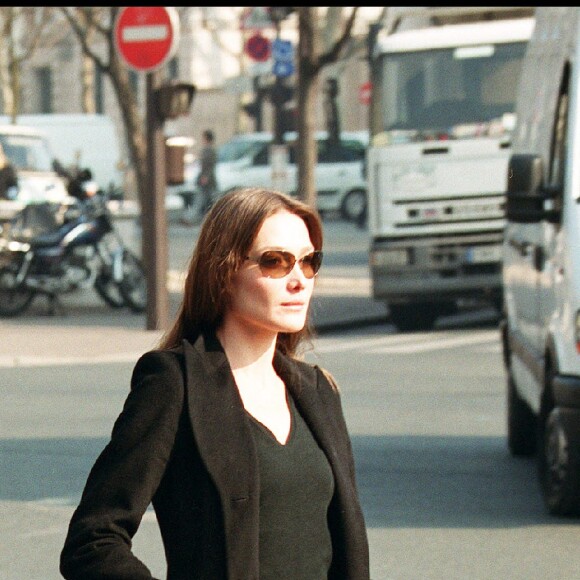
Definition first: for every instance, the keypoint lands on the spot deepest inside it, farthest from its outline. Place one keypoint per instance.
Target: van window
(343, 152)
(262, 155)
(27, 152)
(237, 149)
(558, 150)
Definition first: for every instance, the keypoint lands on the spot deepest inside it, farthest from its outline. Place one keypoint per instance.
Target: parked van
(541, 267)
(27, 150)
(83, 140)
(339, 174)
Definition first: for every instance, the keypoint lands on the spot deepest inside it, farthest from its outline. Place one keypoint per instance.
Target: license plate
(481, 254)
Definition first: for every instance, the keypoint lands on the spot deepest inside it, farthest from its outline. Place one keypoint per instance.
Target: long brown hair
(226, 236)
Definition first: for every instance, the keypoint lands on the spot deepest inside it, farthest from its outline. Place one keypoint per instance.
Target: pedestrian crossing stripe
(408, 343)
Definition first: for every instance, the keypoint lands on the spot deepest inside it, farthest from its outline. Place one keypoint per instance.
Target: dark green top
(296, 486)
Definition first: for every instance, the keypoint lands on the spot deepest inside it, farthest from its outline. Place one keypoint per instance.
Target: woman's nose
(296, 276)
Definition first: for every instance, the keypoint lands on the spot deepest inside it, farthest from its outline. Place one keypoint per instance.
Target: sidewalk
(90, 332)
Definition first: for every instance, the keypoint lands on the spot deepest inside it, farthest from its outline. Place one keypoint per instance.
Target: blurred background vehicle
(27, 150)
(54, 249)
(340, 180)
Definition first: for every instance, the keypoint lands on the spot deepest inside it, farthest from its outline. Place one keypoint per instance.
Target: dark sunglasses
(277, 263)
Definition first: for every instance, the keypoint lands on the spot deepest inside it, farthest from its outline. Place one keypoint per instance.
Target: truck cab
(442, 116)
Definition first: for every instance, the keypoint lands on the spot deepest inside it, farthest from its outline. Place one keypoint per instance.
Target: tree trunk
(307, 91)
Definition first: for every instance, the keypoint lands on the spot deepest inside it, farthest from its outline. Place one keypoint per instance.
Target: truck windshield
(455, 92)
(27, 152)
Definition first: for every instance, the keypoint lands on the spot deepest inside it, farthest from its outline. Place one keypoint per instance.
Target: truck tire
(559, 463)
(521, 422)
(417, 316)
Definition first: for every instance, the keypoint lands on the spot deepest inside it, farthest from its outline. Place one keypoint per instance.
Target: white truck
(541, 263)
(442, 114)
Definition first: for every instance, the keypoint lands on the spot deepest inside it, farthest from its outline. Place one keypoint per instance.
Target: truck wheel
(521, 422)
(419, 316)
(559, 463)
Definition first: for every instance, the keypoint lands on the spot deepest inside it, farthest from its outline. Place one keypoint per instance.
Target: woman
(241, 447)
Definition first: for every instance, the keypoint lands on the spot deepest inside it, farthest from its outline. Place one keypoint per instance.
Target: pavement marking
(439, 344)
(353, 343)
(407, 343)
(19, 361)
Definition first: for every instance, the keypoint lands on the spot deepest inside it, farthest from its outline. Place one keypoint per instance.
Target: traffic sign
(258, 47)
(146, 37)
(365, 93)
(282, 50)
(283, 55)
(282, 68)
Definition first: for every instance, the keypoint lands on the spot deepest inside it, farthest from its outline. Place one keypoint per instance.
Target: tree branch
(83, 32)
(333, 54)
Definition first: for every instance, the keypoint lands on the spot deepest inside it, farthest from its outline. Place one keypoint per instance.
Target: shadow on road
(404, 481)
(447, 482)
(53, 470)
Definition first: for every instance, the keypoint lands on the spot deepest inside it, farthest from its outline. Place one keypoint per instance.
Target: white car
(244, 161)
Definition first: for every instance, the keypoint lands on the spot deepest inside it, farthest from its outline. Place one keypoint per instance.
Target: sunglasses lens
(276, 264)
(310, 264)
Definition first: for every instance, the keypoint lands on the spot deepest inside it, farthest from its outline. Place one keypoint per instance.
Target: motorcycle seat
(46, 240)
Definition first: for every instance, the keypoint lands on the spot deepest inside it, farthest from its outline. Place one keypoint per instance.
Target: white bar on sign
(145, 33)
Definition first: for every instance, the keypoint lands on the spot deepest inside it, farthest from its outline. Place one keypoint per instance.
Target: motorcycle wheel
(109, 291)
(133, 286)
(13, 300)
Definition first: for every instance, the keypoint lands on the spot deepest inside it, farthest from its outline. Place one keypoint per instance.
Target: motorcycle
(78, 248)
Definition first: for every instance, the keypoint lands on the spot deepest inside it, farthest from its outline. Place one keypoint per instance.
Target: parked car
(340, 179)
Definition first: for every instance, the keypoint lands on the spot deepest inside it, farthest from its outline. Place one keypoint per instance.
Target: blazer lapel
(218, 419)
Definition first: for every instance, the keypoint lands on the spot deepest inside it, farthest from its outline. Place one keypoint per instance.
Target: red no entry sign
(258, 47)
(146, 37)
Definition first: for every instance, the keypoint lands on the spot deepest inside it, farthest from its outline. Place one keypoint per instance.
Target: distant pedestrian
(8, 177)
(240, 445)
(206, 179)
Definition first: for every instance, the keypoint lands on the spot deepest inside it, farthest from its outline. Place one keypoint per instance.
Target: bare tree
(94, 29)
(311, 60)
(22, 29)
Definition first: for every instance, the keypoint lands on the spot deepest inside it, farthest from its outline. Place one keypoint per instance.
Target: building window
(44, 84)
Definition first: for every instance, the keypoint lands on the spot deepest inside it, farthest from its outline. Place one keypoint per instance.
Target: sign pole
(154, 216)
(146, 37)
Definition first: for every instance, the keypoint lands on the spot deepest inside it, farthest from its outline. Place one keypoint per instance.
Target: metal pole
(276, 89)
(153, 215)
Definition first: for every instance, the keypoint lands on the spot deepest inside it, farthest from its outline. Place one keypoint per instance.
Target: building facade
(212, 54)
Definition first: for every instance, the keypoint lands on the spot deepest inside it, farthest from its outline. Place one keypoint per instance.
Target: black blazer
(183, 442)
